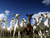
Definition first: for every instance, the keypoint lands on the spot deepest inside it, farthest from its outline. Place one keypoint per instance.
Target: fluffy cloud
(7, 12)
(4, 16)
(46, 2)
(38, 15)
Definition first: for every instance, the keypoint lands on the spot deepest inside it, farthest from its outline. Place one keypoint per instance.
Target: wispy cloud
(46, 2)
(4, 15)
(7, 12)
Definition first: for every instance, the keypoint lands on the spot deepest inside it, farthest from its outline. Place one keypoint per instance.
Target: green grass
(23, 37)
(14, 37)
(48, 36)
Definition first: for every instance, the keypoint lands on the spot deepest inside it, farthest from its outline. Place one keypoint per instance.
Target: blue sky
(24, 7)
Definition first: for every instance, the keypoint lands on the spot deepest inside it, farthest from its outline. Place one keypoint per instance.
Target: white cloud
(38, 15)
(2, 16)
(46, 2)
(7, 12)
